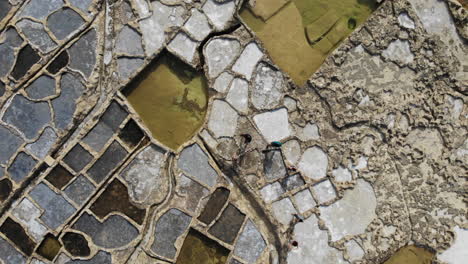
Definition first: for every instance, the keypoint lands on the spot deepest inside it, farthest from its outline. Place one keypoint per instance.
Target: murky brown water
(299, 34)
(171, 98)
(411, 255)
(198, 248)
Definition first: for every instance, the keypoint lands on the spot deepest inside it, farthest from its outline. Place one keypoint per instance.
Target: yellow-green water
(171, 98)
(199, 249)
(300, 34)
(411, 255)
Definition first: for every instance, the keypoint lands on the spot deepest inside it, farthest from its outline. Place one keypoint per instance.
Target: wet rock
(223, 119)
(273, 165)
(114, 232)
(248, 59)
(284, 210)
(271, 192)
(223, 82)
(9, 144)
(56, 209)
(292, 182)
(184, 47)
(342, 174)
(399, 50)
(5, 7)
(28, 117)
(354, 250)
(228, 224)
(42, 146)
(267, 87)
(5, 187)
(28, 214)
(292, 151)
(78, 158)
(129, 42)
(456, 253)
(197, 25)
(40, 9)
(220, 14)
(42, 87)
(59, 62)
(59, 177)
(15, 232)
(64, 22)
(405, 20)
(250, 244)
(273, 125)
(65, 105)
(324, 191)
(192, 191)
(314, 163)
(101, 257)
(219, 54)
(359, 202)
(76, 244)
(194, 162)
(83, 53)
(127, 67)
(145, 176)
(27, 57)
(304, 201)
(214, 205)
(169, 227)
(108, 162)
(21, 167)
(238, 95)
(313, 245)
(83, 5)
(80, 190)
(36, 35)
(9, 254)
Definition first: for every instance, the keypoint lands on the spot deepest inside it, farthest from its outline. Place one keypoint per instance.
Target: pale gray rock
(429, 141)
(399, 51)
(292, 151)
(64, 22)
(314, 163)
(127, 67)
(21, 167)
(7, 53)
(250, 244)
(184, 47)
(219, 54)
(42, 146)
(271, 192)
(42, 87)
(169, 227)
(238, 95)
(197, 25)
(405, 20)
(193, 192)
(342, 174)
(324, 192)
(273, 165)
(284, 210)
(80, 190)
(354, 250)
(223, 82)
(40, 9)
(309, 132)
(28, 117)
(456, 253)
(83, 5)
(273, 125)
(360, 203)
(8, 253)
(64, 106)
(194, 162)
(223, 119)
(145, 176)
(267, 87)
(290, 103)
(36, 35)
(129, 42)
(248, 59)
(220, 14)
(9, 144)
(313, 245)
(28, 214)
(83, 53)
(304, 201)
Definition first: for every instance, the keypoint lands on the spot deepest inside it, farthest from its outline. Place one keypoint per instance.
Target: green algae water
(300, 34)
(171, 98)
(197, 248)
(411, 255)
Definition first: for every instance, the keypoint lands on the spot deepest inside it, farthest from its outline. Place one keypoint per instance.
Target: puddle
(202, 249)
(300, 34)
(49, 247)
(411, 255)
(171, 98)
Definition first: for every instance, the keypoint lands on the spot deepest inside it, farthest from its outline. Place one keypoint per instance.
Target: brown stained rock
(116, 198)
(18, 236)
(214, 205)
(228, 225)
(131, 134)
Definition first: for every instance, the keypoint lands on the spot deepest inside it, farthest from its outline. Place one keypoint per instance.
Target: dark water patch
(131, 134)
(27, 57)
(411, 255)
(50, 247)
(198, 248)
(18, 236)
(214, 205)
(59, 176)
(5, 189)
(228, 225)
(59, 62)
(76, 244)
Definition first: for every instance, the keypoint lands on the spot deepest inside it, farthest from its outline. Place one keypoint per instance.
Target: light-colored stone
(429, 141)
(220, 53)
(223, 82)
(209, 140)
(129, 42)
(284, 210)
(28, 213)
(41, 147)
(457, 106)
(250, 244)
(313, 245)
(292, 151)
(342, 174)
(352, 214)
(197, 25)
(248, 59)
(399, 50)
(304, 201)
(267, 87)
(238, 95)
(324, 192)
(354, 250)
(223, 119)
(36, 34)
(271, 192)
(290, 103)
(314, 163)
(457, 253)
(309, 132)
(220, 14)
(183, 46)
(406, 21)
(193, 161)
(273, 125)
